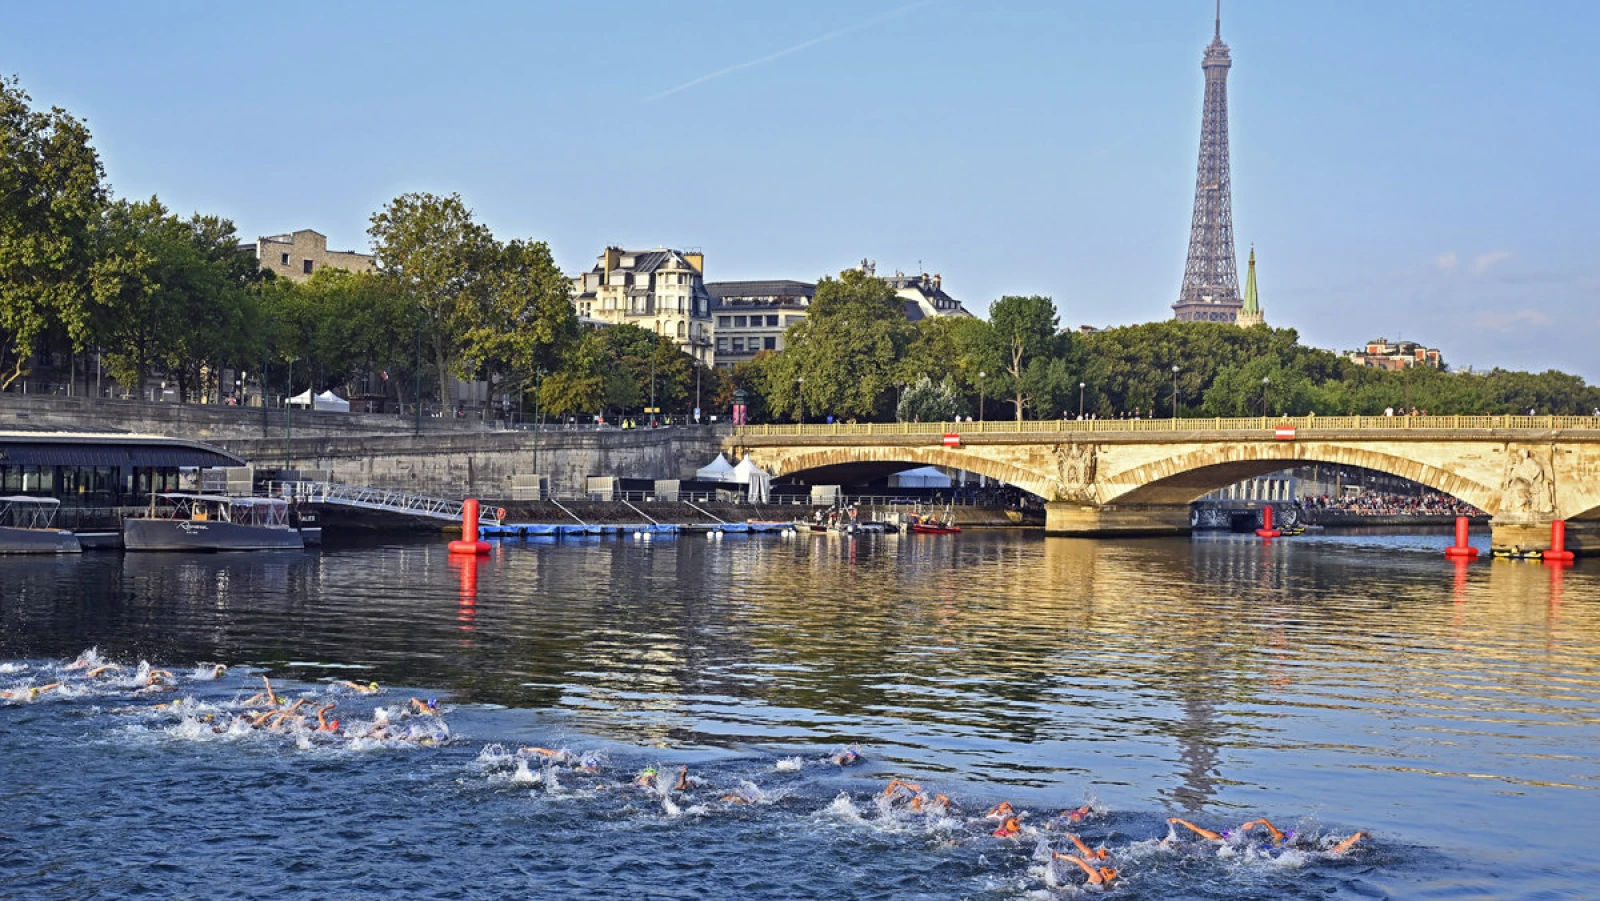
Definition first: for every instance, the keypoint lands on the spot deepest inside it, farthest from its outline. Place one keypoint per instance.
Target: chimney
(610, 260)
(936, 281)
(698, 261)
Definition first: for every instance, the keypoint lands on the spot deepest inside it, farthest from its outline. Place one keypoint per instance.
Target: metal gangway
(335, 494)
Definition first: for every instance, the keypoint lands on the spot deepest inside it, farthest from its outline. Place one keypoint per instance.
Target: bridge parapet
(1306, 425)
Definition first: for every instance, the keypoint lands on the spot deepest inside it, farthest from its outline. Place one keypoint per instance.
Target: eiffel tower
(1210, 290)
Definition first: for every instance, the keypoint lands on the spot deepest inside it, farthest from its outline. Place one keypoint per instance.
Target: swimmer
(734, 799)
(85, 660)
(357, 687)
(1000, 811)
(1347, 844)
(557, 756)
(1075, 816)
(941, 802)
(646, 778)
(100, 670)
(1010, 828)
(590, 763)
(1097, 875)
(323, 725)
(429, 707)
(31, 693)
(1203, 833)
(1278, 837)
(217, 671)
(847, 757)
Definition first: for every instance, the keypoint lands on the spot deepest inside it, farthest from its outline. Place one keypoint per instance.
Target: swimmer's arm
(683, 780)
(1088, 868)
(1277, 834)
(1087, 851)
(1203, 833)
(1347, 844)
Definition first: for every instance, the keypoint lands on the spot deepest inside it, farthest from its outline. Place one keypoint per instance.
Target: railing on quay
(379, 499)
(1252, 424)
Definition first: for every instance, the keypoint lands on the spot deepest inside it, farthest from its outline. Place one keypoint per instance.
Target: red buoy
(469, 543)
(1266, 530)
(1461, 550)
(1558, 552)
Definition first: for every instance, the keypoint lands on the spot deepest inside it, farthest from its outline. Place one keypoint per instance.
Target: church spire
(1251, 313)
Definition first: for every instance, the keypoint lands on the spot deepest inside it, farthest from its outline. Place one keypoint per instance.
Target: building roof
(768, 288)
(101, 449)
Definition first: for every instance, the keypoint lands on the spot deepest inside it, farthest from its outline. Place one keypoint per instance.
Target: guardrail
(377, 499)
(1253, 424)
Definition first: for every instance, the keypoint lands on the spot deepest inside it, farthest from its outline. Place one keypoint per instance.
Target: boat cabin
(270, 512)
(25, 512)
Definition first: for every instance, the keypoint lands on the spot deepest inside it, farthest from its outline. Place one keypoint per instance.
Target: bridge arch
(791, 461)
(1185, 477)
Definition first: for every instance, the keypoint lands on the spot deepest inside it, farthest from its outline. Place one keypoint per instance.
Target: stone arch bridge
(1125, 477)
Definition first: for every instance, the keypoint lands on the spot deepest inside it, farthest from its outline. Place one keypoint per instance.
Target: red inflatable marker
(469, 543)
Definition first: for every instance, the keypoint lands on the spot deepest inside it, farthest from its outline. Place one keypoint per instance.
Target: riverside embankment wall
(447, 457)
(482, 463)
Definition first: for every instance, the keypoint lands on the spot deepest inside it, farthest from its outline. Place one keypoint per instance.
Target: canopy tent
(718, 470)
(327, 401)
(760, 482)
(923, 477)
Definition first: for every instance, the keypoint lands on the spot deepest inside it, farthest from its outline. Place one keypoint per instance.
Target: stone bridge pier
(1139, 478)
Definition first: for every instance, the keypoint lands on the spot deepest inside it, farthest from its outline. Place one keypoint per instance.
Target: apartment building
(661, 290)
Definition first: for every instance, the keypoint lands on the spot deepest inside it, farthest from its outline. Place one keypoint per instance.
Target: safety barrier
(1256, 424)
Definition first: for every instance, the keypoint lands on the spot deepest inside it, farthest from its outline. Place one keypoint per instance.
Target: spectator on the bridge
(1388, 411)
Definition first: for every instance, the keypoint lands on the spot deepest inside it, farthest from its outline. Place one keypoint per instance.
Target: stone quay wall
(481, 464)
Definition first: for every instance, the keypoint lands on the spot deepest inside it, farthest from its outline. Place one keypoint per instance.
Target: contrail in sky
(790, 50)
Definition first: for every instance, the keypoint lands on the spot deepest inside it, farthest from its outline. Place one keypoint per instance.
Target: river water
(1329, 683)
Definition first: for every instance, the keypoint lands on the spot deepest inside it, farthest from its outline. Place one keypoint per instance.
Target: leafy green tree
(526, 321)
(927, 401)
(437, 255)
(1025, 330)
(844, 359)
(52, 195)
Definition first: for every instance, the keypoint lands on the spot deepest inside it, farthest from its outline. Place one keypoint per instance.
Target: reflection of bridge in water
(1123, 477)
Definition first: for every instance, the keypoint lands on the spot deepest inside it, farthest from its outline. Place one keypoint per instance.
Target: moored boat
(207, 522)
(27, 526)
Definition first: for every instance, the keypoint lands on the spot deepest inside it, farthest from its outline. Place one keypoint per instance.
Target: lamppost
(800, 401)
(538, 382)
(653, 387)
(981, 377)
(697, 367)
(899, 388)
(1174, 391)
(1264, 382)
(288, 422)
(1080, 400)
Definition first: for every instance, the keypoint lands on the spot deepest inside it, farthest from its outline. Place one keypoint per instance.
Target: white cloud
(1510, 320)
(1446, 261)
(1482, 262)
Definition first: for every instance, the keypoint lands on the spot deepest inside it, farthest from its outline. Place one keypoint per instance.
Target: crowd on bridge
(1372, 503)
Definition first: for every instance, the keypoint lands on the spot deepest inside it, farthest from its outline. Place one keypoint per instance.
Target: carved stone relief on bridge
(1075, 470)
(1529, 483)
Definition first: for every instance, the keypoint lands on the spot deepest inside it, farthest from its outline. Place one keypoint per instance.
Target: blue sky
(1423, 169)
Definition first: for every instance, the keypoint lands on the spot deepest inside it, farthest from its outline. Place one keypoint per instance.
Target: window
(770, 343)
(772, 321)
(724, 321)
(285, 259)
(305, 267)
(722, 345)
(739, 321)
(738, 345)
(683, 329)
(791, 320)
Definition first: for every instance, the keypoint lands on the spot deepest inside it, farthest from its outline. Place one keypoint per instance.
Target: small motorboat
(27, 526)
(206, 522)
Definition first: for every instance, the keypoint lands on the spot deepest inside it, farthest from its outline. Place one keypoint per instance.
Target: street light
(981, 377)
(1174, 391)
(697, 366)
(799, 401)
(1264, 382)
(1080, 400)
(288, 422)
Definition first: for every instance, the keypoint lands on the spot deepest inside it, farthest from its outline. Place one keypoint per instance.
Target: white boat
(27, 526)
(212, 522)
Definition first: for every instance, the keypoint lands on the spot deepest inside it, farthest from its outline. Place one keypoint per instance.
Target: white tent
(332, 403)
(925, 477)
(327, 401)
(718, 470)
(760, 482)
